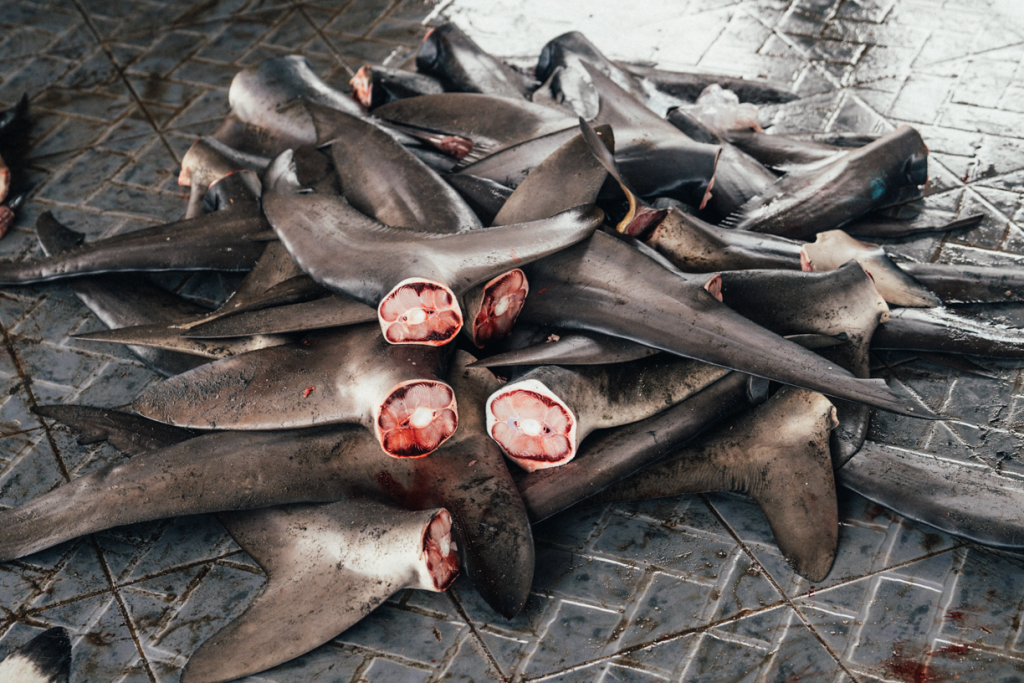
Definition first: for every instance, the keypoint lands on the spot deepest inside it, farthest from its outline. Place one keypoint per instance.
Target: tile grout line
(491, 659)
(125, 615)
(775, 584)
(124, 79)
(26, 382)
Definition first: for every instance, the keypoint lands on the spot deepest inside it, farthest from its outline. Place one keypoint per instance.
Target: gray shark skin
(491, 122)
(571, 348)
(688, 86)
(778, 454)
(484, 196)
(375, 85)
(842, 303)
(656, 158)
(779, 151)
(560, 67)
(569, 177)
(833, 248)
(591, 348)
(214, 241)
(346, 375)
(252, 294)
(44, 659)
(510, 166)
(739, 177)
(128, 433)
(124, 300)
(964, 499)
(611, 455)
(207, 161)
(265, 286)
(929, 220)
(250, 139)
(945, 331)
(334, 310)
(384, 180)
(452, 57)
(802, 204)
(413, 278)
(696, 246)
(969, 284)
(540, 419)
(327, 567)
(248, 470)
(270, 95)
(167, 337)
(593, 286)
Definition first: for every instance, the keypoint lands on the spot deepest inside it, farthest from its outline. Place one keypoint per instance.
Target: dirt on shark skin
(540, 419)
(248, 470)
(415, 279)
(800, 205)
(345, 375)
(779, 455)
(352, 555)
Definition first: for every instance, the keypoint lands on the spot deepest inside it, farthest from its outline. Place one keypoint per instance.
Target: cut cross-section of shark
(569, 177)
(375, 85)
(247, 470)
(348, 375)
(327, 567)
(610, 455)
(413, 278)
(540, 419)
(779, 455)
(593, 286)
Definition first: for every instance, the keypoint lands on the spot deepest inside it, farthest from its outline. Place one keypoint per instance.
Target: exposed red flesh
(805, 262)
(439, 551)
(5, 179)
(711, 183)
(185, 177)
(503, 299)
(362, 86)
(416, 418)
(454, 146)
(6, 219)
(419, 312)
(714, 286)
(645, 220)
(535, 430)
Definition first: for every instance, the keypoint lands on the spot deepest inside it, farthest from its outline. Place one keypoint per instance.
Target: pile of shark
(480, 294)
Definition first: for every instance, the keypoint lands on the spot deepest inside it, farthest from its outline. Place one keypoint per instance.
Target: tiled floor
(689, 589)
